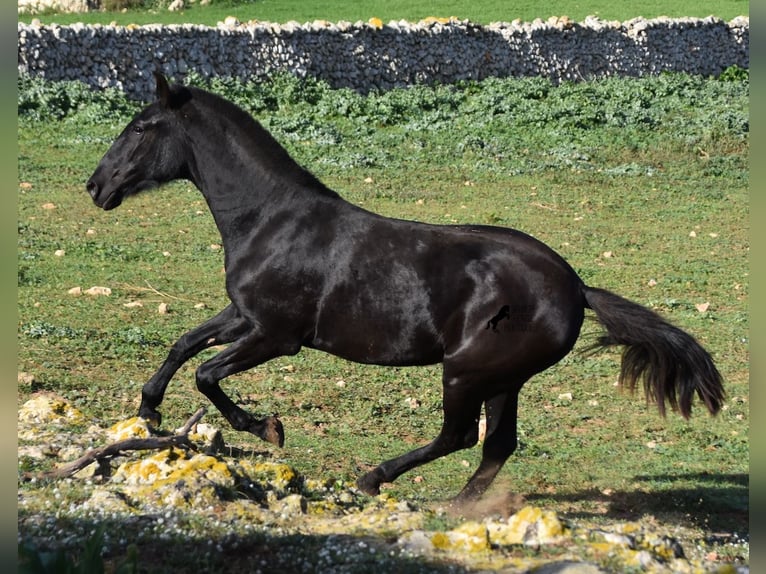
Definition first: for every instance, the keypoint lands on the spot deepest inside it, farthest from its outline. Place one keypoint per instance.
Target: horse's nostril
(92, 188)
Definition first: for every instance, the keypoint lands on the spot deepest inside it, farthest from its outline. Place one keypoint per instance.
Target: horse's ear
(163, 89)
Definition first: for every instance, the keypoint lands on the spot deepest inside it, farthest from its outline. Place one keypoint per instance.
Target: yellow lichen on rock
(468, 537)
(278, 475)
(148, 470)
(172, 478)
(135, 427)
(440, 540)
(49, 408)
(207, 437)
(530, 525)
(170, 466)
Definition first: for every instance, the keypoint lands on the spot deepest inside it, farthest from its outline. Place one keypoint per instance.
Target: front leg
(225, 327)
(250, 350)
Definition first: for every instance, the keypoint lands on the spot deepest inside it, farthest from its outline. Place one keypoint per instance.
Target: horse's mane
(266, 150)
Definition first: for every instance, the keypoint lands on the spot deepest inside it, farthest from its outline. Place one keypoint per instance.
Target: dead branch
(115, 449)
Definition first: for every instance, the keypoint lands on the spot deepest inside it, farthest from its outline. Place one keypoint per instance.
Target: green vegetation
(32, 561)
(481, 11)
(642, 184)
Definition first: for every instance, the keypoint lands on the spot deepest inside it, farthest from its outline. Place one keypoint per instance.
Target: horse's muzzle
(94, 190)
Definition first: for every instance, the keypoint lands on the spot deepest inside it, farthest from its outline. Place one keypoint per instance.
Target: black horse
(306, 268)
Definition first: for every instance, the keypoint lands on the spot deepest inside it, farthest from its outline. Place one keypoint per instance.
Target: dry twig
(115, 449)
(149, 288)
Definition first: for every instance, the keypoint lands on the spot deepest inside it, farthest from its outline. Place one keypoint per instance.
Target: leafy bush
(118, 5)
(43, 100)
(734, 74)
(509, 111)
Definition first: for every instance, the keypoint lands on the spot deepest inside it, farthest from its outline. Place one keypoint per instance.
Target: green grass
(481, 11)
(652, 172)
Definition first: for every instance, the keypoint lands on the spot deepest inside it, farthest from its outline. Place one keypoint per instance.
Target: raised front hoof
(370, 482)
(269, 429)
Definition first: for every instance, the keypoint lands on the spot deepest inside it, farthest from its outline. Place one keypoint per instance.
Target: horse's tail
(671, 362)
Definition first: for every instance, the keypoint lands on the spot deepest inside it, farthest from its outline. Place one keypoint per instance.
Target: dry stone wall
(368, 56)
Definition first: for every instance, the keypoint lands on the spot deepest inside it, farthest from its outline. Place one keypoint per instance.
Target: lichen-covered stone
(468, 537)
(171, 477)
(278, 476)
(290, 506)
(107, 501)
(48, 409)
(135, 427)
(530, 526)
(206, 438)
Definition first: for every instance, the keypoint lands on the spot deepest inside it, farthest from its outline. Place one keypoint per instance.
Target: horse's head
(147, 153)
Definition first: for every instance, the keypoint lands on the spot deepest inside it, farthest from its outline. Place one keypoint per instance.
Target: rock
(290, 506)
(173, 478)
(131, 428)
(468, 537)
(279, 477)
(49, 408)
(97, 291)
(206, 437)
(530, 526)
(107, 502)
(25, 378)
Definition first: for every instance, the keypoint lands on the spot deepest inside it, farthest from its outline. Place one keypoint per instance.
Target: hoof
(271, 430)
(370, 482)
(152, 417)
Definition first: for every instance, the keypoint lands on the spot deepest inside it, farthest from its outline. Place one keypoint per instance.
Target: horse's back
(411, 293)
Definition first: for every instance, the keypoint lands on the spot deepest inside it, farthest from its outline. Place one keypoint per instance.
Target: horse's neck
(246, 182)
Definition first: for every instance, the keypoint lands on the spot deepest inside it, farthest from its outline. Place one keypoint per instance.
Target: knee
(205, 380)
(450, 442)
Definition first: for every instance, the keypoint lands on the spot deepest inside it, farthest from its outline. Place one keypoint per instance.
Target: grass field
(482, 11)
(640, 184)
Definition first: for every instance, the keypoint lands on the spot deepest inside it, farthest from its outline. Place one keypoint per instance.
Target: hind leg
(499, 444)
(225, 327)
(460, 429)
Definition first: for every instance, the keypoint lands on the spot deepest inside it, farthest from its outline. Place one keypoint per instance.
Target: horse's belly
(396, 339)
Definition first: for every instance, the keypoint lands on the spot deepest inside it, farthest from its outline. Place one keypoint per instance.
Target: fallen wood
(115, 449)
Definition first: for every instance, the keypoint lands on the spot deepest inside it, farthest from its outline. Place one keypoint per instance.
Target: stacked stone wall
(368, 56)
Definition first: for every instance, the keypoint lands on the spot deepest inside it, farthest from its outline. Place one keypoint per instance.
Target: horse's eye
(138, 130)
